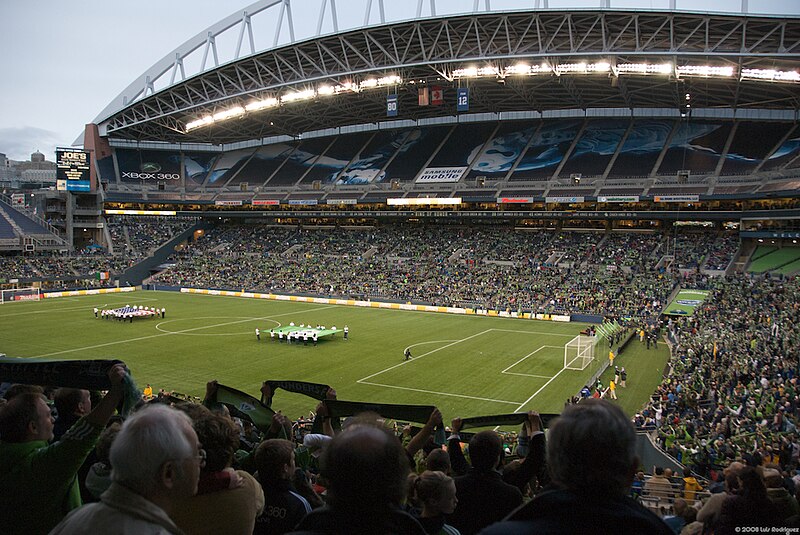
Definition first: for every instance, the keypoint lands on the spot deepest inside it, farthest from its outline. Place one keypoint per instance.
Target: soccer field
(465, 365)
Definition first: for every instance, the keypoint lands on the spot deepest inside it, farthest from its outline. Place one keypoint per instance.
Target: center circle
(194, 329)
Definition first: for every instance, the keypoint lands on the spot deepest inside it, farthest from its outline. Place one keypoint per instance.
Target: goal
(579, 352)
(20, 294)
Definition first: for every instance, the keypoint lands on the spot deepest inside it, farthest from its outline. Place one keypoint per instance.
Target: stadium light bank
(518, 69)
(294, 96)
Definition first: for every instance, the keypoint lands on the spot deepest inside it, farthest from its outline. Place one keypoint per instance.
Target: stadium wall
(369, 304)
(74, 293)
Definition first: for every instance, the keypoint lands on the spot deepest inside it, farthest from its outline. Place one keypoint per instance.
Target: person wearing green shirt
(39, 478)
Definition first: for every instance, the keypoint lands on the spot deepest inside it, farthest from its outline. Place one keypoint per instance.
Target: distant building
(35, 171)
(38, 169)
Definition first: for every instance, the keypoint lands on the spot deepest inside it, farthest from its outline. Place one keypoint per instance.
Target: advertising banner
(441, 174)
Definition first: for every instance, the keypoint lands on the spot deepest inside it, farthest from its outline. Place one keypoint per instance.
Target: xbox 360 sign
(150, 171)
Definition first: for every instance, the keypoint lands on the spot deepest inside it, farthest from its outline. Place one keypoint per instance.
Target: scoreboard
(73, 169)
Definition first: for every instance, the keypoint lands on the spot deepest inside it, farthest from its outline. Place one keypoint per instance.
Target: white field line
(174, 332)
(85, 307)
(423, 355)
(430, 342)
(437, 393)
(525, 357)
(159, 326)
(542, 388)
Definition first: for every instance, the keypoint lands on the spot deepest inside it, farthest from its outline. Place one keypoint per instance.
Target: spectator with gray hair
(156, 460)
(592, 460)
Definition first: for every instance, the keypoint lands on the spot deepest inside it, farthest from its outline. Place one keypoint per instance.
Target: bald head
(734, 468)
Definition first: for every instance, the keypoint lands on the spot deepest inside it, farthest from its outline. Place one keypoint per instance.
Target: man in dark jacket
(366, 469)
(483, 496)
(591, 456)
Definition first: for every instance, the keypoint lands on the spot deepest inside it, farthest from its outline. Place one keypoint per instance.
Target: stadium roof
(524, 63)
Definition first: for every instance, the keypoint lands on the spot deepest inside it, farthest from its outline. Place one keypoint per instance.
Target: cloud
(20, 142)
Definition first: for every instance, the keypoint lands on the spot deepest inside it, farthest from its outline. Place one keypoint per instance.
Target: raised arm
(419, 440)
(458, 462)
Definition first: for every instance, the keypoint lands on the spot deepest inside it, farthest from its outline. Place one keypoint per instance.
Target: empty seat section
(367, 166)
(227, 166)
(263, 164)
(595, 148)
(328, 166)
(520, 194)
(641, 149)
(28, 225)
(547, 149)
(6, 230)
(418, 147)
(607, 192)
(695, 146)
(786, 153)
(505, 147)
(105, 167)
(752, 143)
(463, 145)
(197, 167)
(299, 161)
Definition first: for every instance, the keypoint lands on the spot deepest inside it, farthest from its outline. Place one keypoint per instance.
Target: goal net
(579, 352)
(20, 294)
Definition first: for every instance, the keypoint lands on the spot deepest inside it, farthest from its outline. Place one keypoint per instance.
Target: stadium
(487, 211)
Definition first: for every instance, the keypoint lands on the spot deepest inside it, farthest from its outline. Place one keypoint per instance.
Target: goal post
(20, 294)
(579, 352)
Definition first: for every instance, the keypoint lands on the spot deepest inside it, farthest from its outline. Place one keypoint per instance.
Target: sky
(64, 61)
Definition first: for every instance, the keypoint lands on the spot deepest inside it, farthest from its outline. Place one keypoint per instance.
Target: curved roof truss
(428, 51)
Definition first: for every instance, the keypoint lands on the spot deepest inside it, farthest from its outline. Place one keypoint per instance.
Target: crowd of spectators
(730, 397)
(727, 410)
(483, 268)
(634, 250)
(57, 265)
(689, 248)
(176, 466)
(138, 236)
(721, 252)
(80, 268)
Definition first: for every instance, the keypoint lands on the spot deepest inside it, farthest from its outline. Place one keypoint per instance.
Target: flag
(244, 405)
(437, 96)
(391, 105)
(462, 99)
(102, 275)
(313, 390)
(423, 96)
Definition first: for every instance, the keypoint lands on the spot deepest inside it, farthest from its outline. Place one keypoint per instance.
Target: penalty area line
(363, 382)
(423, 355)
(540, 389)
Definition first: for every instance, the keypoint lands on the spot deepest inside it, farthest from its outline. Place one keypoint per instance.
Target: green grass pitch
(465, 365)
